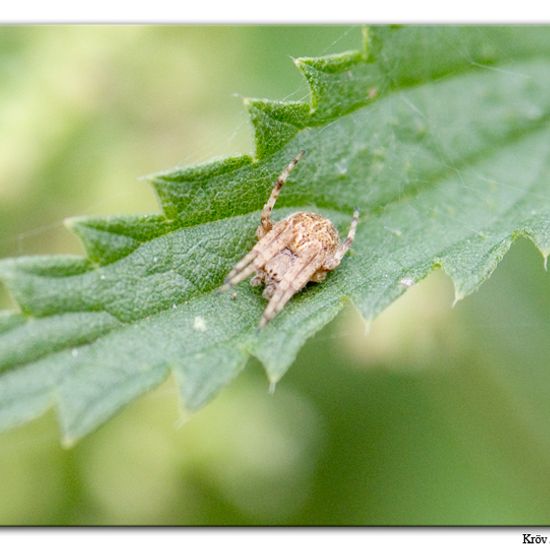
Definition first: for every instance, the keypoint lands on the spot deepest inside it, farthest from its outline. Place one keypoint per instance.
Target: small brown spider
(301, 248)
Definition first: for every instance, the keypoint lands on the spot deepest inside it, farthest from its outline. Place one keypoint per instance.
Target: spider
(301, 248)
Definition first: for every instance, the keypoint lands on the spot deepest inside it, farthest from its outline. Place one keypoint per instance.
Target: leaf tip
(545, 254)
(298, 62)
(68, 441)
(459, 295)
(367, 325)
(273, 379)
(73, 222)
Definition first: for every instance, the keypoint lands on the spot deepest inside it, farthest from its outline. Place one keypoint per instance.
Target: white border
(273, 539)
(281, 11)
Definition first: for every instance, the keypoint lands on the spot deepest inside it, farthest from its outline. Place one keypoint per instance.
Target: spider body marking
(301, 248)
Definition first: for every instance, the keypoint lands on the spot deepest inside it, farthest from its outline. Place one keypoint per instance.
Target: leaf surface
(439, 135)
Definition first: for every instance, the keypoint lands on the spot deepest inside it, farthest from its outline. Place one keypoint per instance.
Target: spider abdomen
(308, 227)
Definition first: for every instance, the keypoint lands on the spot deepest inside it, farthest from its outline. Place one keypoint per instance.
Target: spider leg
(262, 252)
(238, 276)
(268, 207)
(335, 260)
(294, 280)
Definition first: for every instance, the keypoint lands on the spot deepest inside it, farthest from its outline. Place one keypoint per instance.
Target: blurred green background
(439, 415)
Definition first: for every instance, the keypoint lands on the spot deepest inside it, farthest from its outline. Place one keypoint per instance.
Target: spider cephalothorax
(301, 248)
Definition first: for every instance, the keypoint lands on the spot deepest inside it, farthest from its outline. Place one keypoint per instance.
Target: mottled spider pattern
(301, 248)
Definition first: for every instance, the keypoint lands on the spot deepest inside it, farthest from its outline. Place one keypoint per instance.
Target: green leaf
(439, 135)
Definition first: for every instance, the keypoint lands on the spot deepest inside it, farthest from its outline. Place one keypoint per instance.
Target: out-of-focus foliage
(438, 416)
(444, 179)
